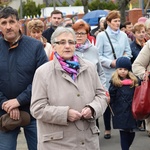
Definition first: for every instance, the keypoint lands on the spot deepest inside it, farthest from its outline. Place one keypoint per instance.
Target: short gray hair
(61, 30)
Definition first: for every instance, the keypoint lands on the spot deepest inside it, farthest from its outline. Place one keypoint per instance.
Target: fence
(46, 22)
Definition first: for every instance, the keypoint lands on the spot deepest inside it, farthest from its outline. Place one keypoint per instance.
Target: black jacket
(121, 101)
(135, 48)
(48, 33)
(17, 68)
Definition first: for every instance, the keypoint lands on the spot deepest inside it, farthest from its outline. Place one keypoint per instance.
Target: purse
(111, 45)
(141, 101)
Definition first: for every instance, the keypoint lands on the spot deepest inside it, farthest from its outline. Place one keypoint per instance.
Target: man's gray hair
(61, 30)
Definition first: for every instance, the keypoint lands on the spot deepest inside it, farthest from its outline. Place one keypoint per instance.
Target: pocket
(95, 130)
(53, 136)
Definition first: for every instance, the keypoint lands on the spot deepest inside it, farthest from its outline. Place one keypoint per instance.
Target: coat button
(78, 95)
(82, 143)
(51, 138)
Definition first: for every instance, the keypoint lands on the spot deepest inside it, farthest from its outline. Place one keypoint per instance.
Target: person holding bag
(141, 68)
(122, 86)
(111, 47)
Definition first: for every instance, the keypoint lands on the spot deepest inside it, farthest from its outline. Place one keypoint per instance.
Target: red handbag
(141, 101)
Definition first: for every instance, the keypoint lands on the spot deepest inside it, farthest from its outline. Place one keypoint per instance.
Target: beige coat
(53, 93)
(141, 63)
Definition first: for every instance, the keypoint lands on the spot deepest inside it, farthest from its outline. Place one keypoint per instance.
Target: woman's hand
(87, 112)
(74, 115)
(113, 64)
(146, 76)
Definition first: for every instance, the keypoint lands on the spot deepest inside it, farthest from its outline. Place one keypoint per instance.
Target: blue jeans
(8, 140)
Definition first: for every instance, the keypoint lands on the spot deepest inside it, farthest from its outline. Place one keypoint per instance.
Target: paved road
(141, 141)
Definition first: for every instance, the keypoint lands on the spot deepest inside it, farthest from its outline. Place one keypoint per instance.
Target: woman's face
(81, 36)
(102, 24)
(114, 24)
(140, 35)
(36, 34)
(65, 45)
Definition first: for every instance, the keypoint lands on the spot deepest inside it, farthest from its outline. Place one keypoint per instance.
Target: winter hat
(123, 62)
(142, 20)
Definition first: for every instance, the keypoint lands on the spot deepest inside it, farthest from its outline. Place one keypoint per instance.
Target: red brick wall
(134, 15)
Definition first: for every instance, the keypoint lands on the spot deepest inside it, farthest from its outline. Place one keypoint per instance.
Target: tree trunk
(85, 4)
(122, 8)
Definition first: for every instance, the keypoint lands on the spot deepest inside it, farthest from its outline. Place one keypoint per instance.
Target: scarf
(141, 43)
(70, 66)
(114, 32)
(83, 47)
(127, 82)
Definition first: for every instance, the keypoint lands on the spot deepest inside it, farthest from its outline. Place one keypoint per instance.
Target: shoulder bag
(141, 101)
(111, 45)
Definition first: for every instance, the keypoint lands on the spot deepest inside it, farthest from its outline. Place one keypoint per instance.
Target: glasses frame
(80, 33)
(63, 42)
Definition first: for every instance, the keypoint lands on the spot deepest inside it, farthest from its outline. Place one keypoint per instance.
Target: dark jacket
(135, 48)
(121, 100)
(17, 68)
(48, 33)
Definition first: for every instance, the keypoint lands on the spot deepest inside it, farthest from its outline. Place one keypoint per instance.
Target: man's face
(56, 20)
(129, 28)
(10, 28)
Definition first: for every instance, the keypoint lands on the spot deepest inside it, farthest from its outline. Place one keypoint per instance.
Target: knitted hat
(123, 62)
(142, 19)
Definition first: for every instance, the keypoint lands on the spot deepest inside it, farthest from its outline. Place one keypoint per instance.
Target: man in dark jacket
(20, 56)
(56, 20)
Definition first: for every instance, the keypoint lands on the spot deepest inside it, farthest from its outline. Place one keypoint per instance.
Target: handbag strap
(111, 45)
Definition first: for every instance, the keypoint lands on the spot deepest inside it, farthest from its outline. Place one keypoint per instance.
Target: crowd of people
(57, 83)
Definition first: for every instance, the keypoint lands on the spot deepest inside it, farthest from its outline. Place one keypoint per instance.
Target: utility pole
(141, 5)
(54, 5)
(46, 2)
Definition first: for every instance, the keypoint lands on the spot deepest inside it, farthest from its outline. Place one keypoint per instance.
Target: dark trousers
(107, 119)
(140, 123)
(126, 139)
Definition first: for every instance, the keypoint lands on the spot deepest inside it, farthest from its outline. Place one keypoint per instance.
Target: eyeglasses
(80, 33)
(63, 42)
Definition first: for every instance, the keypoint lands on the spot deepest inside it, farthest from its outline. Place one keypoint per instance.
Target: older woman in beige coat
(67, 98)
(140, 65)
